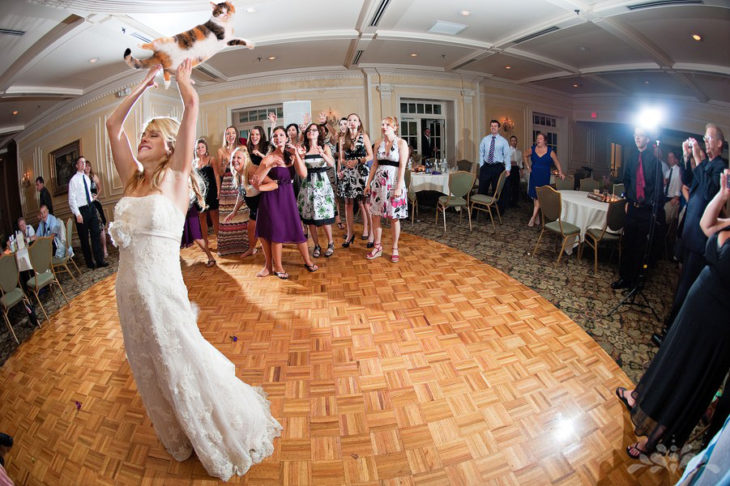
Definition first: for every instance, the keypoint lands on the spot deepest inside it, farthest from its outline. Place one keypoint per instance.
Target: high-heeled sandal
(620, 393)
(349, 242)
(364, 237)
(317, 251)
(376, 252)
(634, 452)
(210, 263)
(330, 250)
(395, 257)
(312, 268)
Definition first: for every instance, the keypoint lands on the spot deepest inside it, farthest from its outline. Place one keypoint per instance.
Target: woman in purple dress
(278, 219)
(539, 160)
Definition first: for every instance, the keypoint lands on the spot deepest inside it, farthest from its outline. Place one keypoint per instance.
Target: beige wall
(372, 93)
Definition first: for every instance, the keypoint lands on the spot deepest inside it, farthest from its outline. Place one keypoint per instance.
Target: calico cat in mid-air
(199, 43)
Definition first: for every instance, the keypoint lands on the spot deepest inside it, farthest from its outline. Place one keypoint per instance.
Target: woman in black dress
(95, 190)
(695, 356)
(208, 170)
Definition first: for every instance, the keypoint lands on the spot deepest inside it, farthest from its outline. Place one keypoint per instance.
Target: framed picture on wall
(63, 166)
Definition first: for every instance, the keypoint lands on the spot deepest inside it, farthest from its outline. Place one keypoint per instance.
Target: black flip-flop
(282, 275)
(620, 394)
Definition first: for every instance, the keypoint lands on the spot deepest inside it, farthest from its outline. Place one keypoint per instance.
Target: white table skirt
(582, 211)
(430, 182)
(23, 260)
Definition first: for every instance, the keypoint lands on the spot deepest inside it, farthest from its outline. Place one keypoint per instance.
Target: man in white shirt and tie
(672, 189)
(79, 201)
(513, 181)
(494, 158)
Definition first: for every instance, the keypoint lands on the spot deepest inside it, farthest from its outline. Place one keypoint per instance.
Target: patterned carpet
(571, 286)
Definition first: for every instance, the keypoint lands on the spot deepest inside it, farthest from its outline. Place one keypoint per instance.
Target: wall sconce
(27, 175)
(507, 124)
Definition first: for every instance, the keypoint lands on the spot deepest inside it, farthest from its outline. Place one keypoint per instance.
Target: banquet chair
(61, 264)
(465, 165)
(565, 185)
(482, 202)
(615, 218)
(460, 184)
(589, 185)
(551, 205)
(41, 254)
(11, 292)
(411, 195)
(618, 189)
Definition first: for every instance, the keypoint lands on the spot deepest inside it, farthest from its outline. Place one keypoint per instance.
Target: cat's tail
(135, 63)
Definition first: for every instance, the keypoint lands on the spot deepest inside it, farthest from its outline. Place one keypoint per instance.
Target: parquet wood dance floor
(436, 370)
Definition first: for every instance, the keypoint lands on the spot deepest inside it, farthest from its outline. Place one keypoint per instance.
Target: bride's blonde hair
(168, 128)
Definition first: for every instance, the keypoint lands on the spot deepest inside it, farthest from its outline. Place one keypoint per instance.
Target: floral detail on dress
(316, 200)
(382, 186)
(352, 184)
(120, 234)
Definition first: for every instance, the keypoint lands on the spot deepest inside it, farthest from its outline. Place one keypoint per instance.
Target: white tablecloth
(430, 182)
(582, 211)
(23, 259)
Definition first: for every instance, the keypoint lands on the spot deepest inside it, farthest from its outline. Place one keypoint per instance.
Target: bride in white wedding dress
(188, 387)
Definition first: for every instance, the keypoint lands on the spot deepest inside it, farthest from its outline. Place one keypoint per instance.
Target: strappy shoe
(317, 251)
(395, 257)
(348, 242)
(282, 275)
(375, 252)
(620, 393)
(210, 263)
(364, 236)
(634, 452)
(330, 250)
(311, 268)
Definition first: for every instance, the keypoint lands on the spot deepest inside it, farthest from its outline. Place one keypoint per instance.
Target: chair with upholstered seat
(460, 184)
(464, 165)
(589, 185)
(567, 184)
(618, 189)
(551, 205)
(482, 202)
(41, 254)
(411, 195)
(615, 218)
(61, 264)
(11, 292)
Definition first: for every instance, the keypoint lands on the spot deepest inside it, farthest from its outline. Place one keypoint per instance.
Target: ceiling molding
(67, 28)
(635, 39)
(693, 87)
(705, 68)
(545, 61)
(599, 79)
(43, 91)
(476, 55)
(11, 129)
(307, 36)
(404, 35)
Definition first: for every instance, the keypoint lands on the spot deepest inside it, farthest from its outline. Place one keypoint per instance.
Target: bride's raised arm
(122, 154)
(182, 158)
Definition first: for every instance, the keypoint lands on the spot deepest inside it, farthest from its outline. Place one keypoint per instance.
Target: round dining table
(420, 181)
(582, 211)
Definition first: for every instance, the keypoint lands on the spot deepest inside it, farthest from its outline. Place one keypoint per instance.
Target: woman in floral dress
(386, 186)
(316, 200)
(354, 152)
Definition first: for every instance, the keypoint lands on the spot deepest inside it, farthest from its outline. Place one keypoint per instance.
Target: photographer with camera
(705, 184)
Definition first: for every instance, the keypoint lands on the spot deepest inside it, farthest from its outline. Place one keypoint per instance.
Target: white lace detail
(188, 387)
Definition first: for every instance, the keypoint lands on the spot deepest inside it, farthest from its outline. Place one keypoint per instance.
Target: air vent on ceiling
(444, 27)
(358, 55)
(12, 32)
(207, 72)
(536, 34)
(663, 3)
(379, 13)
(139, 36)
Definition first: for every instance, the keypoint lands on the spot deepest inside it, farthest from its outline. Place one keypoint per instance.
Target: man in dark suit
(427, 148)
(705, 184)
(46, 199)
(644, 186)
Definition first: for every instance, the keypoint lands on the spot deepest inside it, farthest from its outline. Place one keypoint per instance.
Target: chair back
(565, 185)
(588, 185)
(41, 254)
(550, 202)
(618, 189)
(460, 183)
(616, 215)
(465, 165)
(8, 273)
(500, 185)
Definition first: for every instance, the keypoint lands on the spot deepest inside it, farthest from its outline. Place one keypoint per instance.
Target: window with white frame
(244, 119)
(548, 125)
(418, 115)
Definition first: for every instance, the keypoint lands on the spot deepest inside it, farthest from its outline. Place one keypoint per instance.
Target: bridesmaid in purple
(278, 219)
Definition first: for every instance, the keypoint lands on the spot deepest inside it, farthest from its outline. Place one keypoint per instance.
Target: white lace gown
(188, 387)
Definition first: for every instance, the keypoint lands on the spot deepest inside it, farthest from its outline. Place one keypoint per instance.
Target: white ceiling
(596, 46)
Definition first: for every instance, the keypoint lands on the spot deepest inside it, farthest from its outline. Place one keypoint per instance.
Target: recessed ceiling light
(508, 67)
(582, 48)
(93, 60)
(15, 112)
(575, 85)
(646, 81)
(465, 13)
(251, 10)
(697, 37)
(271, 58)
(413, 54)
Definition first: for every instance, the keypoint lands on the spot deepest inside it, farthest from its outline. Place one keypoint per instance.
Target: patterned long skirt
(232, 236)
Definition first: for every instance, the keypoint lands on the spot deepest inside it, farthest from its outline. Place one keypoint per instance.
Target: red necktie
(640, 182)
